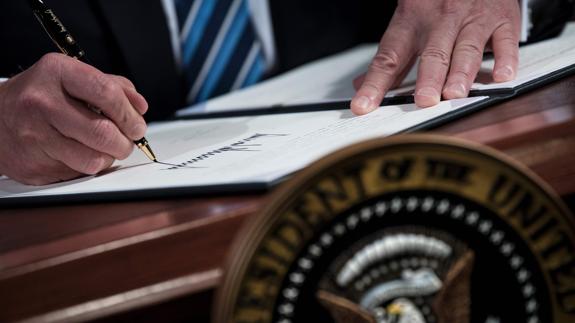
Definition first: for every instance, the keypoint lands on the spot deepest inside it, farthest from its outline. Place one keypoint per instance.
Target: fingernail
(457, 90)
(363, 103)
(503, 74)
(427, 97)
(427, 91)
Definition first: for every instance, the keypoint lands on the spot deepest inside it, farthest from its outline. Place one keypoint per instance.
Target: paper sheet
(325, 80)
(535, 60)
(225, 151)
(330, 79)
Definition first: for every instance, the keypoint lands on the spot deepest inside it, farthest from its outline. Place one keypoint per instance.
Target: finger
(76, 156)
(465, 61)
(90, 129)
(36, 167)
(125, 82)
(45, 173)
(135, 98)
(358, 81)
(434, 64)
(505, 42)
(406, 70)
(395, 50)
(87, 84)
(54, 171)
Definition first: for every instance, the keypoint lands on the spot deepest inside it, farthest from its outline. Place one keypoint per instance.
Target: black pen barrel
(58, 33)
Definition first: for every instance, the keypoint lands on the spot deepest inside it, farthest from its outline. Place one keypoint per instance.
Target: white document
(228, 151)
(535, 61)
(331, 79)
(326, 80)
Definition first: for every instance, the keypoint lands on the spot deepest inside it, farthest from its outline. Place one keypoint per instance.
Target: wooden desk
(155, 260)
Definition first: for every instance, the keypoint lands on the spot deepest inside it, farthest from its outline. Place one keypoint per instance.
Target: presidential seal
(406, 229)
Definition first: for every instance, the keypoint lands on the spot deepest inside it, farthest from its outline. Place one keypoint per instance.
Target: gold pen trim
(145, 147)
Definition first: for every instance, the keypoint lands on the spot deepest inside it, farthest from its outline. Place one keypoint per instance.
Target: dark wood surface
(162, 259)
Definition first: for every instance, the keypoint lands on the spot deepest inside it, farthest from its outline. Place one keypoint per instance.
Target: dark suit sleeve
(93, 28)
(28, 42)
(307, 30)
(548, 18)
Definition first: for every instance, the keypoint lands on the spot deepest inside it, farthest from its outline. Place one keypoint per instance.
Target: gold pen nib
(145, 147)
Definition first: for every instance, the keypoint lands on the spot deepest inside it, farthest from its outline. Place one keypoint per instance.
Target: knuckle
(97, 164)
(50, 61)
(31, 99)
(29, 136)
(436, 55)
(470, 48)
(102, 133)
(30, 133)
(107, 89)
(509, 13)
(478, 25)
(386, 61)
(462, 74)
(125, 81)
(112, 96)
(507, 33)
(509, 39)
(405, 7)
(450, 7)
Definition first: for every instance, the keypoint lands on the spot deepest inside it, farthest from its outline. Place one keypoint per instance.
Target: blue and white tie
(220, 49)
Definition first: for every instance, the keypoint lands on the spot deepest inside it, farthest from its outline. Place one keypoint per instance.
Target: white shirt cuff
(525, 20)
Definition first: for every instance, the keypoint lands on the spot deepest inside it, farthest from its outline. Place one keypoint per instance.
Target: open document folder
(230, 154)
(255, 151)
(330, 80)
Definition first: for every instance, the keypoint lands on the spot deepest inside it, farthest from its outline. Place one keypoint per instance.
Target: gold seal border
(254, 232)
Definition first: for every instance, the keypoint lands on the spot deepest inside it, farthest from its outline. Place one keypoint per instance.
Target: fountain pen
(68, 45)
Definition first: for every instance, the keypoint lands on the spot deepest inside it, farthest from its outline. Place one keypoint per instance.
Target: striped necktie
(220, 49)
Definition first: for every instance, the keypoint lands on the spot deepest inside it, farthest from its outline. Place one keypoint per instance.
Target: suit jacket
(131, 38)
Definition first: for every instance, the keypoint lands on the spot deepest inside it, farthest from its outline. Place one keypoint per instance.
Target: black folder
(493, 96)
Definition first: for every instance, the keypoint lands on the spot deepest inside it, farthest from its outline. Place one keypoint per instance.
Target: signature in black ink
(172, 165)
(242, 146)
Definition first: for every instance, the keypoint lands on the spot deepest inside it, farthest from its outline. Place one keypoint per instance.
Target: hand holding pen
(48, 133)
